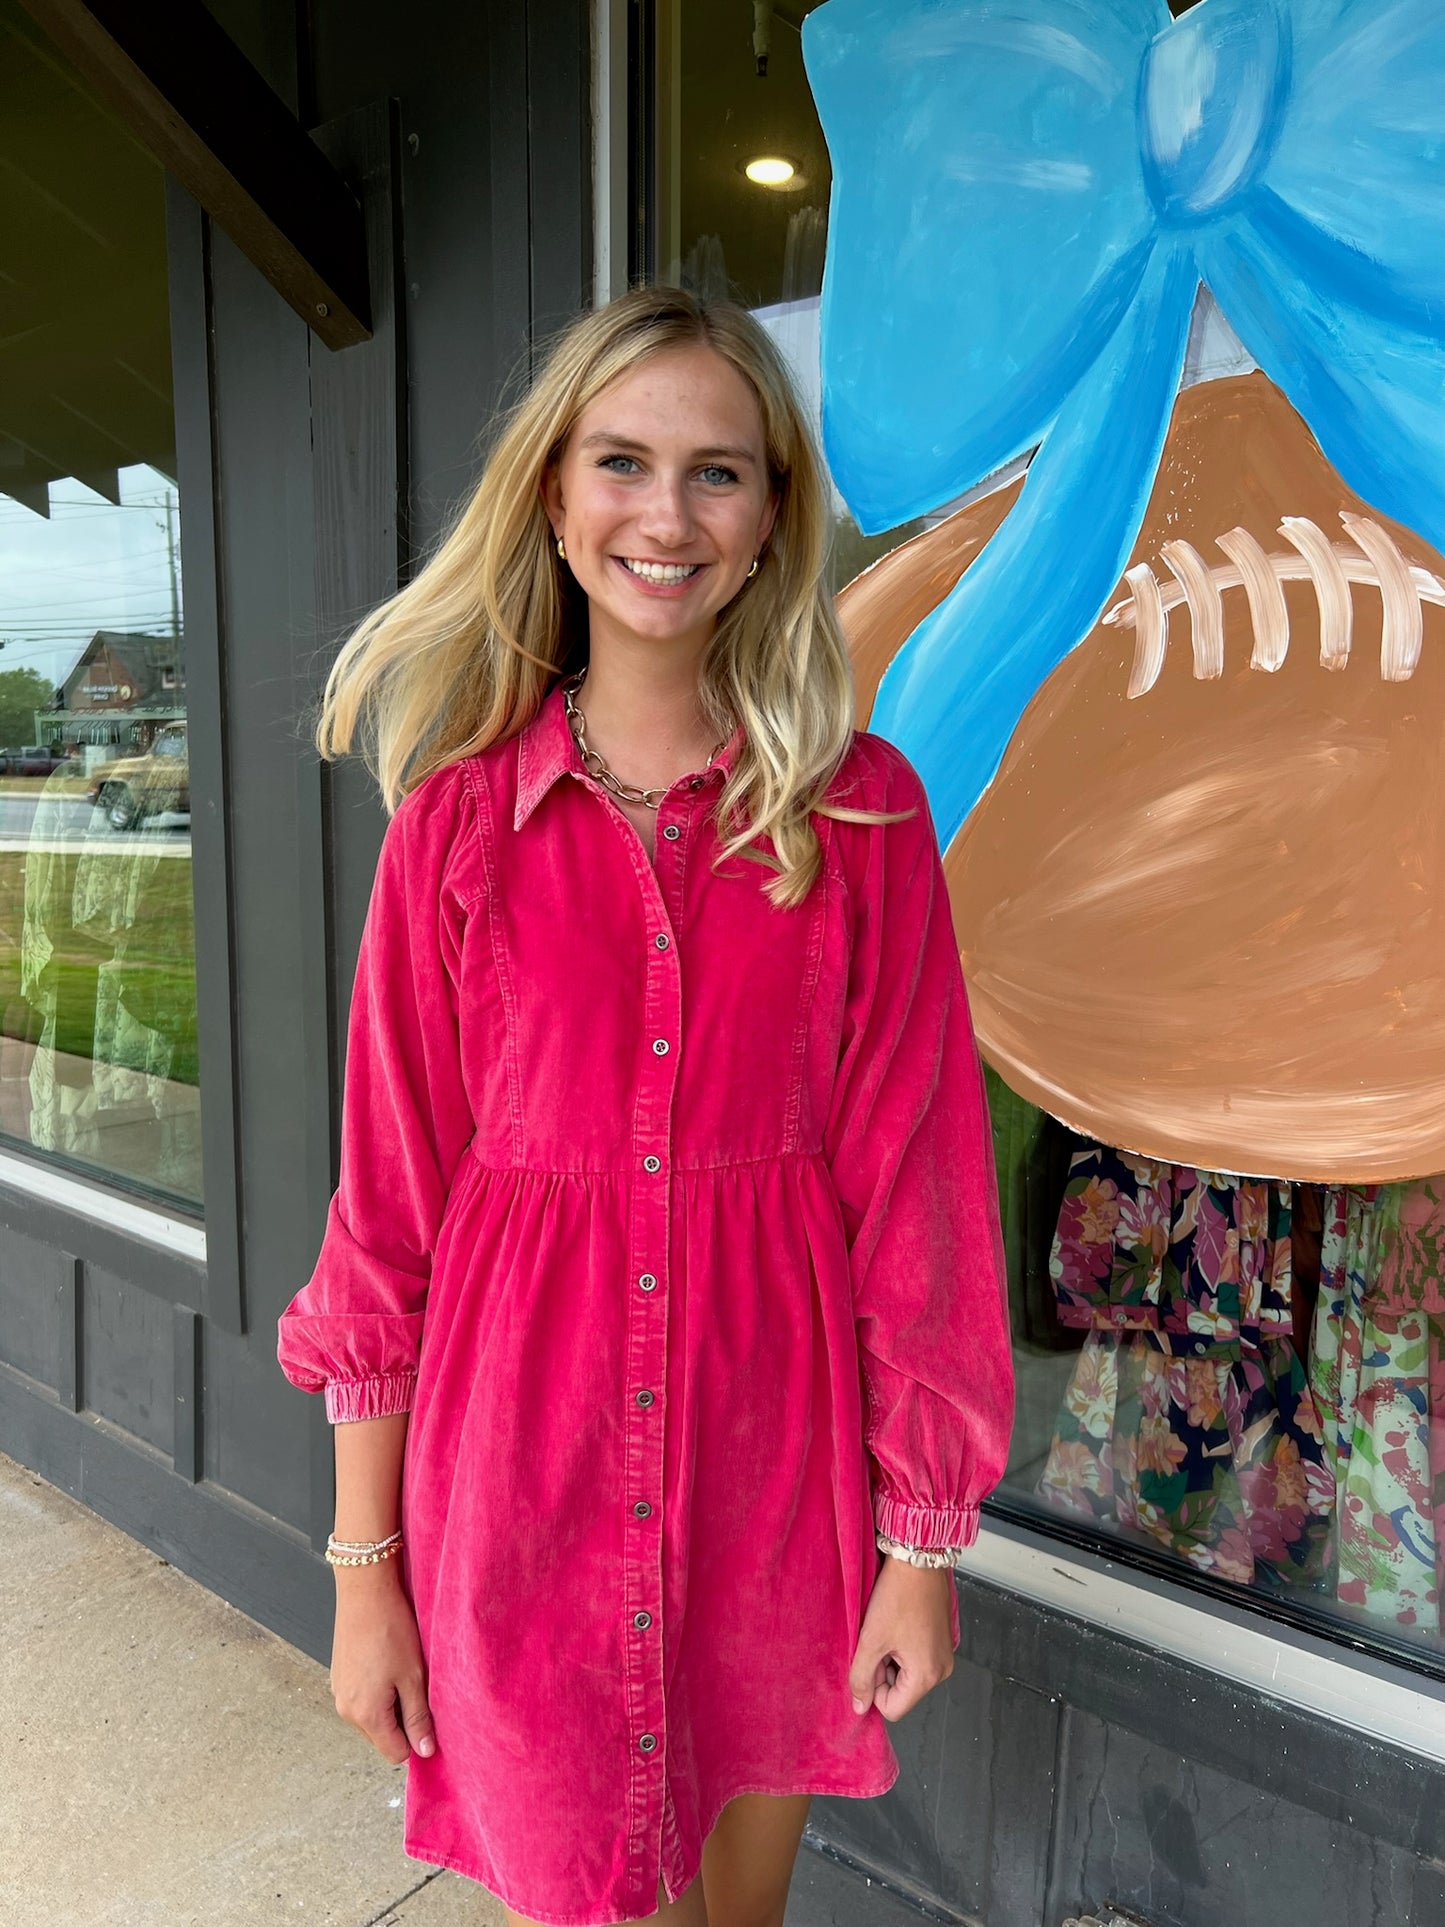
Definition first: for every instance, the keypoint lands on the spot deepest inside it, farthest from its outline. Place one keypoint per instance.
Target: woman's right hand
(377, 1670)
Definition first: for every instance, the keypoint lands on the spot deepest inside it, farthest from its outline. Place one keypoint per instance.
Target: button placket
(644, 1390)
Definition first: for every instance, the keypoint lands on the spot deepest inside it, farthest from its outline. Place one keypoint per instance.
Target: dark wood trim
(510, 101)
(212, 865)
(360, 478)
(358, 403)
(190, 96)
(187, 1443)
(559, 164)
(361, 517)
(152, 1268)
(70, 1377)
(641, 142)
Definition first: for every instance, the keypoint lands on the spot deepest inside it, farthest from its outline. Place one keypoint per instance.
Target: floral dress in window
(1188, 1418)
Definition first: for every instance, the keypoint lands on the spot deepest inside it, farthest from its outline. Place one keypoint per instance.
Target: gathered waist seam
(798, 1155)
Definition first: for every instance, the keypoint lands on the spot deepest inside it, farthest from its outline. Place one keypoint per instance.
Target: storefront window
(98, 1060)
(1244, 1374)
(1196, 906)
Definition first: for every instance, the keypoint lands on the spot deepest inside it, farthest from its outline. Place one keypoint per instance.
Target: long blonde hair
(465, 654)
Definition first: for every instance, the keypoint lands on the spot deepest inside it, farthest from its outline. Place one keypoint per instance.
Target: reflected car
(35, 759)
(131, 788)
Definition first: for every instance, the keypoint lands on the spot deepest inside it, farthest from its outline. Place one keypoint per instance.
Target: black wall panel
(262, 1441)
(459, 75)
(1183, 1843)
(265, 543)
(129, 1357)
(33, 1277)
(1062, 1769)
(964, 1833)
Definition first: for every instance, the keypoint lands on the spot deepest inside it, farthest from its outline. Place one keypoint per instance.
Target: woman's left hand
(905, 1646)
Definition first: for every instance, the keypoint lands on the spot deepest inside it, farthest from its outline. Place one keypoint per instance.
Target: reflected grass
(151, 958)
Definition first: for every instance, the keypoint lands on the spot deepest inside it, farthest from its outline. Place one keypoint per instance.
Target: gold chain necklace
(595, 765)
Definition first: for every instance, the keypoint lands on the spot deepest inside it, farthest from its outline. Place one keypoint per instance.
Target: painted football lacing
(1374, 561)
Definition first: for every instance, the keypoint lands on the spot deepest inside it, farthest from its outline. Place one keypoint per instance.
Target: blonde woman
(659, 1312)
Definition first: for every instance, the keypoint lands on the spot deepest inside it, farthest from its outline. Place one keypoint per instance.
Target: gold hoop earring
(561, 548)
(757, 559)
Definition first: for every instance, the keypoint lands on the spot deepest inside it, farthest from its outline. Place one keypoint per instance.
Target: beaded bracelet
(361, 1558)
(362, 1545)
(918, 1555)
(345, 1552)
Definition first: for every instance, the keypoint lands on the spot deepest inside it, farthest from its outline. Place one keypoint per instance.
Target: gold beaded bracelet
(362, 1545)
(343, 1552)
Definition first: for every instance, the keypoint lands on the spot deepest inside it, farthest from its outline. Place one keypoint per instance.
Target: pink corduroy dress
(669, 1215)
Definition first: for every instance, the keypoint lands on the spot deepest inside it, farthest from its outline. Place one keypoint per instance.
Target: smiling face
(663, 497)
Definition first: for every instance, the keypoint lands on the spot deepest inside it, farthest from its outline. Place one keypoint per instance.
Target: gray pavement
(167, 1762)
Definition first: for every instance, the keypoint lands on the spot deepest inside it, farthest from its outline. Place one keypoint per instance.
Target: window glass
(98, 1054)
(1235, 1378)
(1240, 1374)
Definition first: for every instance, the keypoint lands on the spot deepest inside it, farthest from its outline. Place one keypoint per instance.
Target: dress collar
(547, 749)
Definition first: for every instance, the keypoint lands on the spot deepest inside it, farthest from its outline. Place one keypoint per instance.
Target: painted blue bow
(1027, 194)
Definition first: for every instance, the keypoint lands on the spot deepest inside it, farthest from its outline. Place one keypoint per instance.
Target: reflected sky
(91, 565)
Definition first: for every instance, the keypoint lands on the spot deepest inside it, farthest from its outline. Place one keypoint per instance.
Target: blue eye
(717, 476)
(610, 461)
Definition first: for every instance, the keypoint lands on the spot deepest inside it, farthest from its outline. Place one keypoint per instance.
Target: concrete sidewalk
(167, 1762)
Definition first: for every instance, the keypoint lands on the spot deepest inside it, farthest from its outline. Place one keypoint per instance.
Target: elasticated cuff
(928, 1528)
(348, 1399)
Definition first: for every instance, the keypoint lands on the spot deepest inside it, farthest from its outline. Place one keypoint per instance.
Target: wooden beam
(189, 95)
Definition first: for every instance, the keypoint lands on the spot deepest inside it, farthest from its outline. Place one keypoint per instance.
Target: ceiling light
(770, 170)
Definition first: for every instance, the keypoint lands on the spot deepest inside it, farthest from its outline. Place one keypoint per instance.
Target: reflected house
(122, 691)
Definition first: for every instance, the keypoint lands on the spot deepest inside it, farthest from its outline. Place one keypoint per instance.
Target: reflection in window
(97, 931)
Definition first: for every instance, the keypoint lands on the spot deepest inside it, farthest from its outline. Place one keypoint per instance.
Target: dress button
(652, 1164)
(647, 1281)
(660, 1047)
(696, 783)
(643, 1509)
(648, 1742)
(642, 1621)
(672, 833)
(646, 1398)
(662, 940)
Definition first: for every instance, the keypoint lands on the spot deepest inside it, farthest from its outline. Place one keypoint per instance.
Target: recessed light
(771, 170)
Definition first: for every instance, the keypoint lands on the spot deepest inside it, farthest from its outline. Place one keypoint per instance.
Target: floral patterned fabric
(1189, 1417)
(1377, 1368)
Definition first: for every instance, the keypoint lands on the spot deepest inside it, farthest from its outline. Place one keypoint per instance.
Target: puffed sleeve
(354, 1330)
(911, 1155)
